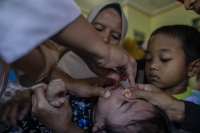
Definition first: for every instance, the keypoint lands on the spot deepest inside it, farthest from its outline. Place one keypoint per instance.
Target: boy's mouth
(153, 77)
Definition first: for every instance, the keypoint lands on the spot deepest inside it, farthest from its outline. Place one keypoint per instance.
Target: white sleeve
(24, 24)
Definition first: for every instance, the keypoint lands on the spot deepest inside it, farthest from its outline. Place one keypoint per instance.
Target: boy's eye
(124, 102)
(165, 60)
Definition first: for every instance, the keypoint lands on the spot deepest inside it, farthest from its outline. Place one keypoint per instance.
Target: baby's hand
(55, 93)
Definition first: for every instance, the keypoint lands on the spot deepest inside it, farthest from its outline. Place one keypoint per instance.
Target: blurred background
(144, 16)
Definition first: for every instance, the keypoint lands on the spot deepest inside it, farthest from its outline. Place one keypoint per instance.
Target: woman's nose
(189, 4)
(106, 38)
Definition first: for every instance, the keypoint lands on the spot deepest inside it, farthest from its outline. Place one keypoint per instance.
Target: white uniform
(26, 23)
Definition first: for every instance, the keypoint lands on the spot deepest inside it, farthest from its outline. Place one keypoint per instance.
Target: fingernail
(107, 94)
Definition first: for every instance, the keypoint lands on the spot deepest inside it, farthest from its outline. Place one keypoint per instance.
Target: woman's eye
(116, 38)
(165, 60)
(124, 102)
(98, 29)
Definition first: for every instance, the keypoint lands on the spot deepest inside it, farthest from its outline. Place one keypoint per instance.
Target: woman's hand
(57, 120)
(17, 108)
(174, 108)
(90, 87)
(116, 57)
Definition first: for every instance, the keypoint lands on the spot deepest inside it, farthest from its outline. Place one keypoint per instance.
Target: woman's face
(109, 25)
(192, 5)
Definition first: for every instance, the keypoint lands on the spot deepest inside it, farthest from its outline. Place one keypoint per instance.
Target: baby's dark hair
(158, 123)
(188, 36)
(114, 6)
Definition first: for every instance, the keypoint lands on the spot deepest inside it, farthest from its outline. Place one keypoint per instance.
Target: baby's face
(165, 62)
(120, 111)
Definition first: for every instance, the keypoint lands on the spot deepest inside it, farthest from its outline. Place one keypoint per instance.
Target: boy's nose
(153, 66)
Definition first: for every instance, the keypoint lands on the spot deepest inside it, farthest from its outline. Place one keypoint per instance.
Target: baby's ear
(194, 68)
(96, 128)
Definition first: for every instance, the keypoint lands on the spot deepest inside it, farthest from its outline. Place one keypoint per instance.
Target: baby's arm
(55, 93)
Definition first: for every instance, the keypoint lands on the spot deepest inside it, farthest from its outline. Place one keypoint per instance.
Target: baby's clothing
(82, 116)
(190, 95)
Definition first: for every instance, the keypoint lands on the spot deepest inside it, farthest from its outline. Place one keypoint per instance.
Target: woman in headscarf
(111, 23)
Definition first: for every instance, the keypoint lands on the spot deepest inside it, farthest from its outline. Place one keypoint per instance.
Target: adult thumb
(140, 94)
(100, 91)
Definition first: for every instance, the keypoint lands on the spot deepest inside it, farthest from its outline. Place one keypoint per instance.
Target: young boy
(172, 57)
(115, 114)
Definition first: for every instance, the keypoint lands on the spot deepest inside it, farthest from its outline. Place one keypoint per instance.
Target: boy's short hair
(157, 123)
(188, 36)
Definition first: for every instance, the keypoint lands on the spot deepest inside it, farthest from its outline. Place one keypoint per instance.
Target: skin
(119, 110)
(103, 56)
(110, 31)
(165, 64)
(109, 25)
(174, 108)
(192, 5)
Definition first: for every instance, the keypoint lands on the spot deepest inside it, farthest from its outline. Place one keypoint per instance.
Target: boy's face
(118, 110)
(165, 63)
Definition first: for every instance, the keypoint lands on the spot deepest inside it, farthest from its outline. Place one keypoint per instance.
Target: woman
(111, 23)
(115, 34)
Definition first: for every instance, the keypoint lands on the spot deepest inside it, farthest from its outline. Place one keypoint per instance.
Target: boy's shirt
(82, 116)
(190, 95)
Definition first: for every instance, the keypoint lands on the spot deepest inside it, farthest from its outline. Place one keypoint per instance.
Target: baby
(115, 114)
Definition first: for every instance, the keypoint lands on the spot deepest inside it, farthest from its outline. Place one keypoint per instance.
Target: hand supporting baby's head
(55, 93)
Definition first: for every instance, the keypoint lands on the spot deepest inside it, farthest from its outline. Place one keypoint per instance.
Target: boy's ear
(194, 68)
(96, 127)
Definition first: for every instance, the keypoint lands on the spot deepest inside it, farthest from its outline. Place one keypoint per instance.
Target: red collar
(182, 1)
